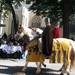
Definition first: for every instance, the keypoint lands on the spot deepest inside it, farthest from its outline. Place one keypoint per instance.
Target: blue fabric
(23, 56)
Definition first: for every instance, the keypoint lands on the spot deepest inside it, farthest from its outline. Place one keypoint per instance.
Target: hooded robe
(47, 40)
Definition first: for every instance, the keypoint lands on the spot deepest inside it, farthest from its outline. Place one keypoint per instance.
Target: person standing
(56, 30)
(47, 38)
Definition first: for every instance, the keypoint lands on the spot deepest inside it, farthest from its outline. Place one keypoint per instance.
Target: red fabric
(56, 32)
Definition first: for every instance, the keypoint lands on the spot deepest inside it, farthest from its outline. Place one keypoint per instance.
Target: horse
(61, 42)
(70, 53)
(26, 33)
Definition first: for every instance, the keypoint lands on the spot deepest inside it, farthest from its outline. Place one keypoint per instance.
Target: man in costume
(56, 30)
(47, 38)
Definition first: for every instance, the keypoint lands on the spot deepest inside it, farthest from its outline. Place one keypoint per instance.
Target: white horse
(27, 31)
(66, 67)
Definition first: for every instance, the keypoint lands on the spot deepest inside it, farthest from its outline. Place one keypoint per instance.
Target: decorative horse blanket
(61, 52)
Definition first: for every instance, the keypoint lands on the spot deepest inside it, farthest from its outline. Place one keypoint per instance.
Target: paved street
(10, 66)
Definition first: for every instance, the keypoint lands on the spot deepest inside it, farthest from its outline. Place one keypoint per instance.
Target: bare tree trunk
(14, 17)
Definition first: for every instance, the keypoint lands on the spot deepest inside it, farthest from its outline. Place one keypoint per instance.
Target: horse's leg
(43, 64)
(38, 67)
(65, 69)
(72, 57)
(25, 67)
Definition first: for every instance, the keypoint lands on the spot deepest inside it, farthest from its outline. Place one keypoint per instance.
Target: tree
(7, 6)
(55, 9)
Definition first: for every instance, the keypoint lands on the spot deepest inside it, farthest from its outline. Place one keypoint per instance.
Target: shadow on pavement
(44, 71)
(10, 70)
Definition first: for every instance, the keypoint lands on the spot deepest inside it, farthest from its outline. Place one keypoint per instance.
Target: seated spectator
(19, 50)
(12, 53)
(3, 49)
(4, 36)
(20, 40)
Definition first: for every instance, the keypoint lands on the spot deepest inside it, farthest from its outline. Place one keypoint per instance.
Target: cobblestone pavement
(10, 66)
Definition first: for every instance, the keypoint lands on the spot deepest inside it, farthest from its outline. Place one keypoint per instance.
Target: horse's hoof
(37, 72)
(65, 74)
(60, 69)
(61, 74)
(68, 73)
(44, 66)
(23, 70)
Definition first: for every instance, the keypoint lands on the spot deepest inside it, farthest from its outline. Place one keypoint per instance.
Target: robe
(56, 32)
(47, 40)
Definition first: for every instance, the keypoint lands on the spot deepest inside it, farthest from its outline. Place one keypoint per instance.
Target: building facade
(24, 17)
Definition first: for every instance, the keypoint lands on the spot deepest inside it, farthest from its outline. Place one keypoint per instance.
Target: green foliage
(5, 6)
(72, 18)
(28, 1)
(52, 8)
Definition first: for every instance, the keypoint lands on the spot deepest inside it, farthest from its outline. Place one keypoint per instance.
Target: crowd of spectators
(11, 48)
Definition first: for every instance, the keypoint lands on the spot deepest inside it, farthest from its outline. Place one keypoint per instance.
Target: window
(35, 21)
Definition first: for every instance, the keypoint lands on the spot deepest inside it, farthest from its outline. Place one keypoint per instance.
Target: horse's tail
(72, 44)
(72, 54)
